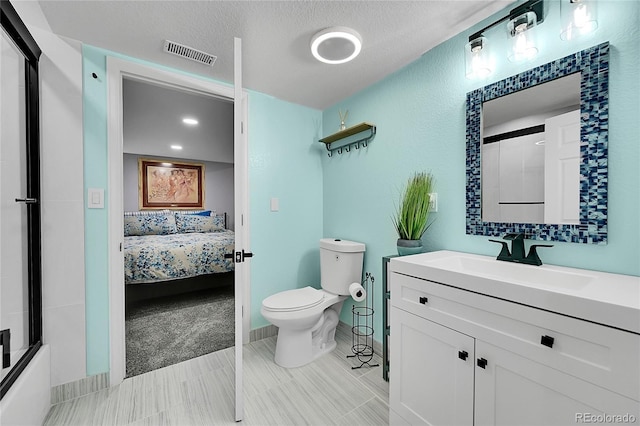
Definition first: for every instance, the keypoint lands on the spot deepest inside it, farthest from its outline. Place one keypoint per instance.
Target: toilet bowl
(307, 317)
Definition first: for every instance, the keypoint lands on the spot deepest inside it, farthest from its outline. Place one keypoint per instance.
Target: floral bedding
(153, 258)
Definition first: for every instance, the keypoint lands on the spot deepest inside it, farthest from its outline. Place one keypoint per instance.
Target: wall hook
(348, 148)
(329, 154)
(94, 75)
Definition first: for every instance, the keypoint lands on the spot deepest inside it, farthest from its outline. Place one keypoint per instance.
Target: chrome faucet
(517, 250)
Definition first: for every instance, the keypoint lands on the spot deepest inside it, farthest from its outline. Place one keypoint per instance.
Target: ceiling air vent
(189, 53)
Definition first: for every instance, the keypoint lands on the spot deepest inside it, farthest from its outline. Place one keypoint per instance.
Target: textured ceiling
(276, 36)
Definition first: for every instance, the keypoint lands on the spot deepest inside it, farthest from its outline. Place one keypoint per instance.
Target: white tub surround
(479, 341)
(29, 399)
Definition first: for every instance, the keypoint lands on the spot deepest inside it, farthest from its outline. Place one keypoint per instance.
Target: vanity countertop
(604, 298)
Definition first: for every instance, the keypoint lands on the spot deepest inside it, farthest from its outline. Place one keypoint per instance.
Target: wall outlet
(433, 201)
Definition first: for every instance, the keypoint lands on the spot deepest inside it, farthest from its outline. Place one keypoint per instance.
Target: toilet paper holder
(362, 328)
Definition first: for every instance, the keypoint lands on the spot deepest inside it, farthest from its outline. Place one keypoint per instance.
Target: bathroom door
(562, 168)
(241, 206)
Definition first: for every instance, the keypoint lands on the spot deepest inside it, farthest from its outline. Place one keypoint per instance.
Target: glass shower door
(20, 265)
(14, 297)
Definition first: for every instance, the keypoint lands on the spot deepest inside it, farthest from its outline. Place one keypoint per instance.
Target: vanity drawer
(602, 355)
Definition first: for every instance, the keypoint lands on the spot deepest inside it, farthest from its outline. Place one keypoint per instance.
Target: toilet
(307, 317)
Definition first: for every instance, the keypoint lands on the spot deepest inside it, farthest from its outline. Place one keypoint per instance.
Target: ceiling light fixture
(336, 45)
(176, 147)
(190, 121)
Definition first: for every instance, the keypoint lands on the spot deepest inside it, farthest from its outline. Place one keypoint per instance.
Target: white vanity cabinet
(459, 357)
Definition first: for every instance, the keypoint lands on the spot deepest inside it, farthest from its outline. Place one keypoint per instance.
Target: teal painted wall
(420, 114)
(283, 163)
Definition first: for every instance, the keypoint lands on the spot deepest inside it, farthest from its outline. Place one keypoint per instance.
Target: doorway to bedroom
(190, 175)
(178, 201)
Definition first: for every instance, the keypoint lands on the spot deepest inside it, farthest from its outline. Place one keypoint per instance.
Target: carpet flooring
(168, 330)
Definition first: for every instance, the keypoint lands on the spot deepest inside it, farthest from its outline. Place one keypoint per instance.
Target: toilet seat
(293, 300)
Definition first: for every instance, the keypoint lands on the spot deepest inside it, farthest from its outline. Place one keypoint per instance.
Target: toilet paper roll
(357, 292)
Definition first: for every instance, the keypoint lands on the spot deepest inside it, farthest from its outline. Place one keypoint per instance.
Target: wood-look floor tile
(201, 392)
(374, 382)
(372, 413)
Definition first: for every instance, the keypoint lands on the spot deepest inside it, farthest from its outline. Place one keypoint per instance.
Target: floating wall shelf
(351, 131)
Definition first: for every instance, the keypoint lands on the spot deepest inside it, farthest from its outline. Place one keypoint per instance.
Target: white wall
(63, 282)
(218, 185)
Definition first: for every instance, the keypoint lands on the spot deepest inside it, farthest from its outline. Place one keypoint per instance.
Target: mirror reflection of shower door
(20, 270)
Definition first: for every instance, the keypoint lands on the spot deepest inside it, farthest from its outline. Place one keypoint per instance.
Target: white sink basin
(511, 272)
(600, 297)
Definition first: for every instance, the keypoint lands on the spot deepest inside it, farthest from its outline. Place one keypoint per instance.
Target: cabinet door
(514, 390)
(431, 379)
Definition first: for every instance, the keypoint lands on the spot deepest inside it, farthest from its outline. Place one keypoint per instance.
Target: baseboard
(78, 388)
(263, 332)
(271, 330)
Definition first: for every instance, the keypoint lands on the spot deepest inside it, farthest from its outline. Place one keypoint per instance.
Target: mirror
(523, 174)
(530, 155)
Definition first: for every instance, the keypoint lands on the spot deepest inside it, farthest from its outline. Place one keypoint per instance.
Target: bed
(166, 245)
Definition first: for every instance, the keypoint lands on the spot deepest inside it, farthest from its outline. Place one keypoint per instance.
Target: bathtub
(28, 401)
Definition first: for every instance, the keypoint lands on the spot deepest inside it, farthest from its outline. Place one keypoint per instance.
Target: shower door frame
(24, 41)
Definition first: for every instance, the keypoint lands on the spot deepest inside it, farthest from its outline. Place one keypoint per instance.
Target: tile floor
(200, 392)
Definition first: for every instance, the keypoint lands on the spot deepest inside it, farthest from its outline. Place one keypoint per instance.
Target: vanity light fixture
(522, 44)
(477, 58)
(520, 21)
(190, 121)
(336, 45)
(578, 17)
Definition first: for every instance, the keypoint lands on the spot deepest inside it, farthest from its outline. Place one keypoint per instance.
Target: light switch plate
(433, 201)
(95, 198)
(275, 204)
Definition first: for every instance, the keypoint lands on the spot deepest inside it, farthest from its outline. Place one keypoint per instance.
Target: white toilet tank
(340, 264)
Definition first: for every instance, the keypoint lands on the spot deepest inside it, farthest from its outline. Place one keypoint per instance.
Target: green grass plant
(412, 216)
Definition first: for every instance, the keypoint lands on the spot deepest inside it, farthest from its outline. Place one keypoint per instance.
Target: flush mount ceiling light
(176, 147)
(190, 121)
(336, 45)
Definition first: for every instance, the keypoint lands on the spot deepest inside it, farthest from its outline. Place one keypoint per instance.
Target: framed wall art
(170, 184)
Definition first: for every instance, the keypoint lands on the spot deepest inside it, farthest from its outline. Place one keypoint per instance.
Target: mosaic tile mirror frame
(593, 64)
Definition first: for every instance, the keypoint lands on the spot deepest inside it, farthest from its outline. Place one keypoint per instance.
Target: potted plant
(412, 216)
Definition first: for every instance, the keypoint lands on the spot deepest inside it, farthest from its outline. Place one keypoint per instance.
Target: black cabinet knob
(424, 300)
(463, 355)
(547, 341)
(482, 363)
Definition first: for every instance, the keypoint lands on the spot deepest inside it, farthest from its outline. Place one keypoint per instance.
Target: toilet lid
(294, 300)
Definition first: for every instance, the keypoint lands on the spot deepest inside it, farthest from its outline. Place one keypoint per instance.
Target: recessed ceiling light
(336, 45)
(190, 121)
(176, 147)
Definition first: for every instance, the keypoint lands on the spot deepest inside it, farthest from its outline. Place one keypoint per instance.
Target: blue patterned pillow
(147, 213)
(187, 223)
(218, 220)
(197, 212)
(160, 224)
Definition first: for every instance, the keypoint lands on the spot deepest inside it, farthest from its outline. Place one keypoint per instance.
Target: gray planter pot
(406, 247)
